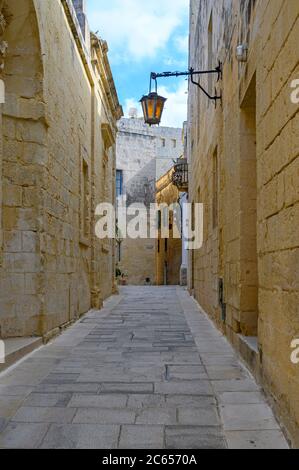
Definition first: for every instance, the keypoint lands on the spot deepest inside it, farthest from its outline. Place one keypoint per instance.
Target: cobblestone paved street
(148, 371)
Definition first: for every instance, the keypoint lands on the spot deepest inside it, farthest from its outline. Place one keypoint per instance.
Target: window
(163, 142)
(119, 183)
(174, 143)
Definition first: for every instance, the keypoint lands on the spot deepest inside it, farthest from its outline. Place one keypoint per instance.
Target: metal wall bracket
(218, 70)
(192, 73)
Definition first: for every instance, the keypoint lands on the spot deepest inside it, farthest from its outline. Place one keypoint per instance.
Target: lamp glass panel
(144, 108)
(151, 108)
(159, 108)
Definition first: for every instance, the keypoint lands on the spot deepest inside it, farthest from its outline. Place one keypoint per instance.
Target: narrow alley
(149, 370)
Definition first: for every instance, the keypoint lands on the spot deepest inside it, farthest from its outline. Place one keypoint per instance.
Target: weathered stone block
(141, 437)
(81, 436)
(31, 132)
(12, 241)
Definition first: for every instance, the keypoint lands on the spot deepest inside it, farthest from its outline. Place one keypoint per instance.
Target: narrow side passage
(148, 371)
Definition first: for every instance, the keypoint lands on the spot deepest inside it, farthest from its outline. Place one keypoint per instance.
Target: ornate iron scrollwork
(180, 176)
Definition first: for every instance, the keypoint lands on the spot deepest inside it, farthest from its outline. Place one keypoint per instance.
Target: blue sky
(145, 36)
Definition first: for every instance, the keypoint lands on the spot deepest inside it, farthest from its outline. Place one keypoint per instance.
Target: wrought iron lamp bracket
(218, 71)
(191, 73)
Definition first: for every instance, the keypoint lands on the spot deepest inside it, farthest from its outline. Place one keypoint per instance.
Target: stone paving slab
(142, 437)
(198, 417)
(226, 372)
(127, 387)
(48, 399)
(9, 405)
(104, 416)
(190, 401)
(149, 370)
(256, 440)
(14, 390)
(68, 388)
(22, 435)
(249, 417)
(162, 415)
(30, 414)
(98, 401)
(241, 398)
(235, 385)
(146, 401)
(81, 436)
(185, 372)
(195, 387)
(246, 419)
(194, 437)
(3, 423)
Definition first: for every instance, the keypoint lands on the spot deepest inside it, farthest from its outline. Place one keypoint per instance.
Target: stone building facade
(143, 155)
(168, 250)
(244, 163)
(58, 131)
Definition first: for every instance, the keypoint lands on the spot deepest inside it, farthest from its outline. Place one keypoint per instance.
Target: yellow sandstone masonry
(144, 154)
(244, 167)
(57, 162)
(168, 251)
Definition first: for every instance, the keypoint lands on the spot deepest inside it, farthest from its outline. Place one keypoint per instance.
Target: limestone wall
(143, 154)
(53, 170)
(168, 251)
(24, 154)
(244, 168)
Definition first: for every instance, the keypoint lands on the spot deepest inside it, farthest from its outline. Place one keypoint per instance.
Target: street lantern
(152, 106)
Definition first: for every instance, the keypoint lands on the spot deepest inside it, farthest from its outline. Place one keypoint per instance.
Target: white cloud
(140, 28)
(130, 104)
(175, 111)
(182, 43)
(173, 62)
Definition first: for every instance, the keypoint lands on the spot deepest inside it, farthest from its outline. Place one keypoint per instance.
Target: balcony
(180, 176)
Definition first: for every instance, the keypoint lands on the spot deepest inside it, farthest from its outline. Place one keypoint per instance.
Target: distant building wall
(143, 154)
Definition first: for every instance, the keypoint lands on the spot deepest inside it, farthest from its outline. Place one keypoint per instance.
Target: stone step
(16, 348)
